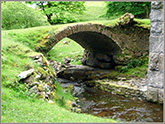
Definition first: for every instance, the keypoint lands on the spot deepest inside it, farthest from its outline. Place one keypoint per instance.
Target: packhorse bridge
(107, 46)
(104, 46)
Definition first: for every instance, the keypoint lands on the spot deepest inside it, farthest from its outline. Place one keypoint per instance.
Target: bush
(63, 20)
(139, 9)
(17, 15)
(134, 63)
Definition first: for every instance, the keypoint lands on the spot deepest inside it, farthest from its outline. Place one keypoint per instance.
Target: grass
(17, 107)
(94, 11)
(18, 44)
(14, 59)
(72, 50)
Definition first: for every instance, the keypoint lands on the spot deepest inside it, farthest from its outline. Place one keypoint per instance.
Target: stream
(106, 105)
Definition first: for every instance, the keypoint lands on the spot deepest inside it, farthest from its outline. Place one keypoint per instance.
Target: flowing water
(107, 105)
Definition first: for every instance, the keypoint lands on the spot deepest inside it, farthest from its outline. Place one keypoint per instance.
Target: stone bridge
(104, 46)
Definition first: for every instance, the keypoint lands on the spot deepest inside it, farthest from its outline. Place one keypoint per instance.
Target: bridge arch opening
(98, 48)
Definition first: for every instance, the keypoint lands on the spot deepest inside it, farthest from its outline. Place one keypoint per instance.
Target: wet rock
(35, 83)
(122, 78)
(67, 60)
(106, 65)
(121, 59)
(28, 81)
(77, 101)
(95, 59)
(74, 73)
(75, 109)
(25, 74)
(47, 79)
(78, 90)
(74, 104)
(34, 89)
(103, 57)
(38, 76)
(92, 61)
(39, 58)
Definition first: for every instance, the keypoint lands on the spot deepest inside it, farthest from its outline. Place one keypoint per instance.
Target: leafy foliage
(60, 9)
(17, 15)
(135, 63)
(139, 9)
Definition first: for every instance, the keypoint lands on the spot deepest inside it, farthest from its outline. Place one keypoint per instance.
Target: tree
(59, 9)
(139, 9)
(18, 15)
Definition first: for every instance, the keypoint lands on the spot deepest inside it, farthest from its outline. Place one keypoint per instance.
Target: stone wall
(156, 52)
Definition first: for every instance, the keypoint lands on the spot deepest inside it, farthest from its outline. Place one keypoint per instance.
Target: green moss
(42, 71)
(40, 87)
(144, 23)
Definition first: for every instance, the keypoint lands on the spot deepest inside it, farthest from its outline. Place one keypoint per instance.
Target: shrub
(139, 9)
(17, 15)
(63, 20)
(134, 63)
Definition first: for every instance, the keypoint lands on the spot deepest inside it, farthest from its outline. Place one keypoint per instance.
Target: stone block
(105, 32)
(89, 27)
(156, 28)
(68, 31)
(156, 5)
(93, 28)
(156, 61)
(79, 27)
(156, 79)
(152, 94)
(84, 27)
(63, 34)
(157, 15)
(156, 44)
(109, 34)
(160, 95)
(76, 29)
(73, 29)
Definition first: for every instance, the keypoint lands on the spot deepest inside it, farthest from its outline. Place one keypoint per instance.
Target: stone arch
(97, 41)
(82, 32)
(105, 46)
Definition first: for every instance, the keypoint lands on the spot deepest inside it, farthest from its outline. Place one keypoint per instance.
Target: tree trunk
(47, 15)
(49, 18)
(147, 12)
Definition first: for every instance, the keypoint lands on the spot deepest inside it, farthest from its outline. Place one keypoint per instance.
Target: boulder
(103, 57)
(67, 60)
(126, 19)
(34, 89)
(25, 74)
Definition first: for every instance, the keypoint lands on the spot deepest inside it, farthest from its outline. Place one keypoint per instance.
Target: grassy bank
(17, 45)
(17, 105)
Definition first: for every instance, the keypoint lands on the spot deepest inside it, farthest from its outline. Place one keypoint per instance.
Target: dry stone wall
(156, 54)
